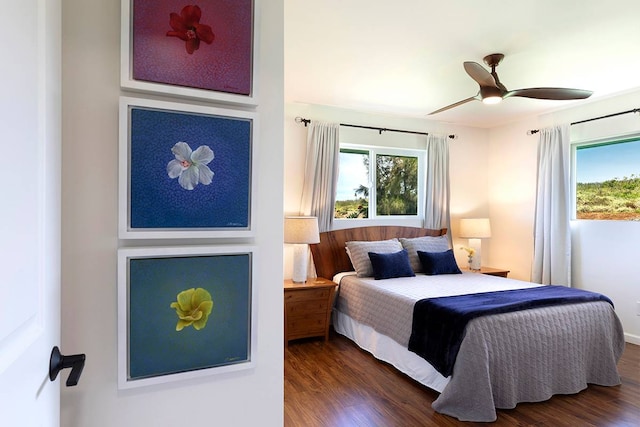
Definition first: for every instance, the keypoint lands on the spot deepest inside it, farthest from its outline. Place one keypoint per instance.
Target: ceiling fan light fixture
(490, 95)
(489, 100)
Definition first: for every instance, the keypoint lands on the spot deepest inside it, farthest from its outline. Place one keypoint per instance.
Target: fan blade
(464, 101)
(479, 74)
(554, 93)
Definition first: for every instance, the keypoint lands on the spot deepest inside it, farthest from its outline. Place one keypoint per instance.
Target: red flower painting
(187, 27)
(179, 49)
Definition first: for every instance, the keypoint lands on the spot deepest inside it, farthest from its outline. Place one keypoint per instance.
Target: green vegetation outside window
(396, 185)
(607, 177)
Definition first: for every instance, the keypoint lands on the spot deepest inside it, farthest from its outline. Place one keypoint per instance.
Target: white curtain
(552, 233)
(321, 173)
(436, 213)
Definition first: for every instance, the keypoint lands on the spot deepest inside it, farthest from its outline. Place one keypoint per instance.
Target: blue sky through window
(353, 173)
(604, 162)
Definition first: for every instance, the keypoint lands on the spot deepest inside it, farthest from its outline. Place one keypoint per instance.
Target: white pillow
(424, 244)
(358, 252)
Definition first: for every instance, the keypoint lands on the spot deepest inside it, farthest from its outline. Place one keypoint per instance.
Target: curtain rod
(635, 110)
(380, 130)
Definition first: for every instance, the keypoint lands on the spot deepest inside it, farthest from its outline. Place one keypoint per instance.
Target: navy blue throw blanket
(439, 323)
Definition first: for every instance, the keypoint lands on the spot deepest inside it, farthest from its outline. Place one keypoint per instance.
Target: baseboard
(633, 339)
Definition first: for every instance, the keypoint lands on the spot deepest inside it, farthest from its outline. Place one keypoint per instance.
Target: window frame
(374, 219)
(599, 142)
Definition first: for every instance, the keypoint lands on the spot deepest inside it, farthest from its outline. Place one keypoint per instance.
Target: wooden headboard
(330, 256)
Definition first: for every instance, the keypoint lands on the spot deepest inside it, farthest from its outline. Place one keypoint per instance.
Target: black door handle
(58, 362)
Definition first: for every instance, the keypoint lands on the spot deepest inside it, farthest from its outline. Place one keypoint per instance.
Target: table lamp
(475, 229)
(301, 231)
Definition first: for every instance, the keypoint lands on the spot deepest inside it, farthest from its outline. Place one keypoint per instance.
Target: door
(30, 123)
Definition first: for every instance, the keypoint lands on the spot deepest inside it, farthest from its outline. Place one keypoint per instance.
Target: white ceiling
(405, 57)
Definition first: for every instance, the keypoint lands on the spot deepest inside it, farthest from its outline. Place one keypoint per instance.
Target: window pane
(352, 195)
(396, 185)
(608, 181)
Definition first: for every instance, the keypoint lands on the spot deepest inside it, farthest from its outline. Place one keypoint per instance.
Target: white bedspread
(504, 359)
(388, 304)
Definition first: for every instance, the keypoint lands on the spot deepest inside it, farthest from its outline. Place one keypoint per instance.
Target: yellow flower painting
(193, 307)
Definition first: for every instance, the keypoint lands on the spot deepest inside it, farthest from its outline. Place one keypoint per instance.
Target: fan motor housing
(493, 60)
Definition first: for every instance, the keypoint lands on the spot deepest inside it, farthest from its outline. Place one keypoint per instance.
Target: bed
(503, 359)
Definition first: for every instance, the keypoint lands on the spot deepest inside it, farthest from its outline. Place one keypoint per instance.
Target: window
(352, 195)
(607, 177)
(390, 186)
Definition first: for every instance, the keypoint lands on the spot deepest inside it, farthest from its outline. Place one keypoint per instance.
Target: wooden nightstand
(490, 271)
(307, 308)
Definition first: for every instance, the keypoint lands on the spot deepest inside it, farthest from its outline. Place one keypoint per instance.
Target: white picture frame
(151, 349)
(222, 85)
(152, 204)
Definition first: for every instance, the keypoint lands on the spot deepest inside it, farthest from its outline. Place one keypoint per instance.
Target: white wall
(512, 187)
(469, 155)
(604, 252)
(91, 43)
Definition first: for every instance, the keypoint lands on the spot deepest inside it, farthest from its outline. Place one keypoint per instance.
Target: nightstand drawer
(308, 307)
(306, 325)
(306, 295)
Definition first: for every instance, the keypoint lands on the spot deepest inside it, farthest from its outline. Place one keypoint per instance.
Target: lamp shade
(301, 229)
(475, 228)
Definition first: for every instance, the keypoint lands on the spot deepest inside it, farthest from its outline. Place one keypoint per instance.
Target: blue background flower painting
(158, 201)
(155, 346)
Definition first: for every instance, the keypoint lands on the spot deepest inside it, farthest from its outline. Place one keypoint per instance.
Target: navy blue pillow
(390, 265)
(439, 262)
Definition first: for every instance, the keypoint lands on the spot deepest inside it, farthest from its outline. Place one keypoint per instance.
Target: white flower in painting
(190, 167)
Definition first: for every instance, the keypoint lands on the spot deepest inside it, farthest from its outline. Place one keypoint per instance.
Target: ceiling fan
(493, 91)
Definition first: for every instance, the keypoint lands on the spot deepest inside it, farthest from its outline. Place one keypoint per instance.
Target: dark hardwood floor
(337, 384)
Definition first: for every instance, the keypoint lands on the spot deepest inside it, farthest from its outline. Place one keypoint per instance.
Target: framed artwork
(184, 312)
(205, 50)
(185, 170)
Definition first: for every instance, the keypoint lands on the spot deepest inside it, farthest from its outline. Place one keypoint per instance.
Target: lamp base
(300, 257)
